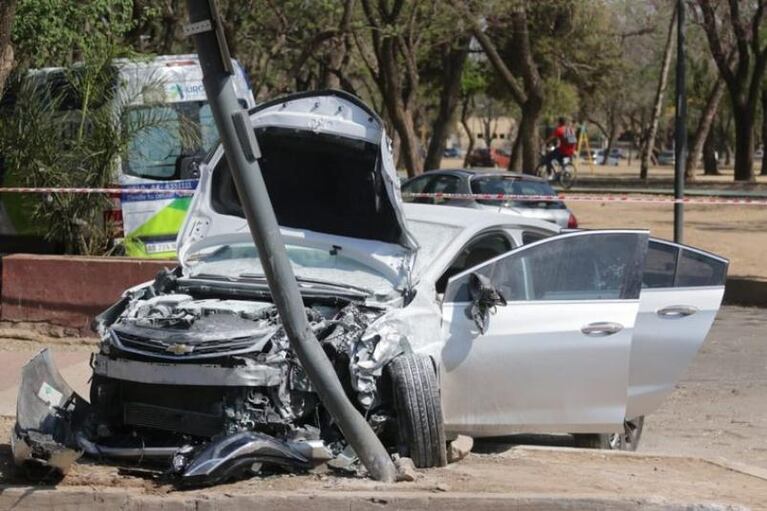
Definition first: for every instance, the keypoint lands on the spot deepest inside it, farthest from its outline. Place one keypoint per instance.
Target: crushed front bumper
(51, 431)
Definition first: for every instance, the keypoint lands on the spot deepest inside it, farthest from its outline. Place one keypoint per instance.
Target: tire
(421, 434)
(567, 177)
(541, 171)
(628, 440)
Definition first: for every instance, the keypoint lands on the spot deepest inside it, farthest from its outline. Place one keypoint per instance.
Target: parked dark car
(480, 181)
(481, 158)
(452, 152)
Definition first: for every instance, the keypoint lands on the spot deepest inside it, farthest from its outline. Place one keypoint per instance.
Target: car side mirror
(188, 167)
(484, 300)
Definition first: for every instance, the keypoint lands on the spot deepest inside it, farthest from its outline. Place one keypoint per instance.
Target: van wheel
(627, 440)
(417, 404)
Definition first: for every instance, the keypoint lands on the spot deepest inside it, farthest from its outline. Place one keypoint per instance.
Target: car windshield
(514, 186)
(241, 261)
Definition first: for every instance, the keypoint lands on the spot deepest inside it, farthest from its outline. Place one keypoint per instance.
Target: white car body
(533, 369)
(530, 328)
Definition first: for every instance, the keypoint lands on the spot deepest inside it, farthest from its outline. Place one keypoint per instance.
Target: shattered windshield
(241, 261)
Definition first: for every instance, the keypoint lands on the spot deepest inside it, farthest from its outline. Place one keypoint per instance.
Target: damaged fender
(48, 415)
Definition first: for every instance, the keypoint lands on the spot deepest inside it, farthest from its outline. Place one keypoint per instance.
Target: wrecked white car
(438, 320)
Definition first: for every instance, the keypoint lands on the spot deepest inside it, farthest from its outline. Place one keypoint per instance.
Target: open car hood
(328, 168)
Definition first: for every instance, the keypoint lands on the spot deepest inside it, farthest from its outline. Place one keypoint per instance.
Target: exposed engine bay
(193, 379)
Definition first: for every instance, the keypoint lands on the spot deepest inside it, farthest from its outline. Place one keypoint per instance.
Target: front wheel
(627, 440)
(419, 411)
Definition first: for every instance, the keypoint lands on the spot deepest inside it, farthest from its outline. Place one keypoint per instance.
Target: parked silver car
(468, 181)
(438, 320)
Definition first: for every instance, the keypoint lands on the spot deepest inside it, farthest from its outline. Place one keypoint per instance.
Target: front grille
(180, 350)
(170, 419)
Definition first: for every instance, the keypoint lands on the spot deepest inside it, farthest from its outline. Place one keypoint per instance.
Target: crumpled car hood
(328, 167)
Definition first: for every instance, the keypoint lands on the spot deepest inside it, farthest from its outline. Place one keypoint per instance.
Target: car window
(660, 265)
(443, 184)
(514, 186)
(477, 252)
(417, 185)
(670, 265)
(593, 266)
(532, 236)
(696, 269)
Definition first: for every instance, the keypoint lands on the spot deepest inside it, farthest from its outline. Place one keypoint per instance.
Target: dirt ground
(718, 411)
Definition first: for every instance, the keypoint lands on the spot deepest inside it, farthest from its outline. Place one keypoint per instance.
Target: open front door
(556, 357)
(682, 290)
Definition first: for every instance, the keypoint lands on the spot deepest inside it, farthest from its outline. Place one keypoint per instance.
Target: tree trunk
(527, 136)
(453, 63)
(710, 164)
(7, 13)
(338, 50)
(703, 129)
(652, 131)
(744, 143)
(467, 128)
(402, 120)
(764, 131)
(613, 134)
(515, 161)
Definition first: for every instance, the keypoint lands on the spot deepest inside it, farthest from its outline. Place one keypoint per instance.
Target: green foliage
(61, 32)
(561, 98)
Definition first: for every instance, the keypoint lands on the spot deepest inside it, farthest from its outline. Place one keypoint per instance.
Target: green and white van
(159, 157)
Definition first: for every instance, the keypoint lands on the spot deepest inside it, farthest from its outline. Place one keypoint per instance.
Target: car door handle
(677, 311)
(601, 329)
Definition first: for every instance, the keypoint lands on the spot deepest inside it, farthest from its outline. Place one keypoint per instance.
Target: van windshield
(161, 134)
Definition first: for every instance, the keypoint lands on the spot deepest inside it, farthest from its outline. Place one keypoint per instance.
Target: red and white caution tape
(627, 198)
(586, 198)
(90, 191)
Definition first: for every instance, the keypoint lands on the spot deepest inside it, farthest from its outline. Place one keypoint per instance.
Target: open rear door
(682, 290)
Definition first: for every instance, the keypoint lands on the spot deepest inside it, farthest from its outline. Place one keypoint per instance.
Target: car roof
(480, 172)
(470, 219)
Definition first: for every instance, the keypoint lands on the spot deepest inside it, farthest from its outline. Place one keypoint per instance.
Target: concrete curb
(76, 499)
(734, 466)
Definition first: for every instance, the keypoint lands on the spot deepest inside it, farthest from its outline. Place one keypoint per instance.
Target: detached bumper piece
(234, 457)
(48, 416)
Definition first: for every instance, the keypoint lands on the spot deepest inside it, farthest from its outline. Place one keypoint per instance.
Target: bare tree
(453, 59)
(529, 93)
(649, 139)
(396, 32)
(7, 13)
(466, 107)
(729, 28)
(703, 128)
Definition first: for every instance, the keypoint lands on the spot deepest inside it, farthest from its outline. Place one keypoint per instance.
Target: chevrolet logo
(179, 349)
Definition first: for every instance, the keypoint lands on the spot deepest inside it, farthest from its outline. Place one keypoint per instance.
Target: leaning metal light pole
(680, 128)
(242, 153)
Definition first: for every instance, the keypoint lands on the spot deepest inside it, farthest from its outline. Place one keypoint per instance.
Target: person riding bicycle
(566, 143)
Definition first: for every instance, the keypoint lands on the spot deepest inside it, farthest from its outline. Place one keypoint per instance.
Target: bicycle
(555, 170)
